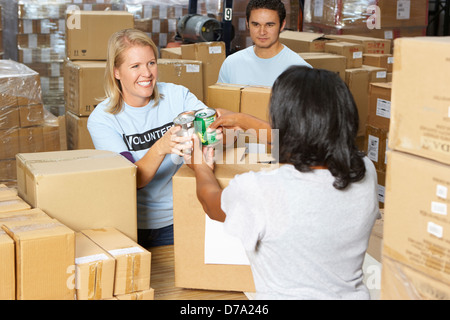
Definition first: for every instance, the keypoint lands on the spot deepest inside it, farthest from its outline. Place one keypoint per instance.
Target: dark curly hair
(276, 5)
(317, 120)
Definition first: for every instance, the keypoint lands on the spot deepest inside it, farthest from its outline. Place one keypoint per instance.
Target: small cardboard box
(353, 52)
(83, 85)
(357, 80)
(81, 188)
(421, 98)
(139, 295)
(255, 101)
(188, 73)
(45, 252)
(7, 271)
(370, 45)
(212, 55)
(133, 262)
(78, 136)
(88, 32)
(415, 214)
(299, 41)
(95, 270)
(376, 144)
(225, 96)
(327, 61)
(382, 60)
(13, 203)
(191, 270)
(380, 105)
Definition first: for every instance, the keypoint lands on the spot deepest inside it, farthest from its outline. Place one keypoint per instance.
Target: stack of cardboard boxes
(62, 239)
(416, 247)
(385, 19)
(23, 120)
(84, 68)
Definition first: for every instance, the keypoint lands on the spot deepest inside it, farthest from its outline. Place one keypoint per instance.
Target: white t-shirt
(304, 238)
(135, 130)
(246, 68)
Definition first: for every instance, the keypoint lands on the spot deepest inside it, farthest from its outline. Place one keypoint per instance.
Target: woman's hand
(172, 143)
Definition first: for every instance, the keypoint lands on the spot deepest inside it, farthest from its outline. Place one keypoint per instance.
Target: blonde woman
(136, 120)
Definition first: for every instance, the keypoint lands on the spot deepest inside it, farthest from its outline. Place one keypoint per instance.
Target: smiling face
(265, 27)
(137, 75)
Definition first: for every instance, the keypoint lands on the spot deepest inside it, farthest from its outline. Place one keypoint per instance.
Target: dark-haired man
(263, 62)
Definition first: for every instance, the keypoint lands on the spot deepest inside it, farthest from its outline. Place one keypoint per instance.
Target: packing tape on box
(35, 227)
(133, 258)
(95, 265)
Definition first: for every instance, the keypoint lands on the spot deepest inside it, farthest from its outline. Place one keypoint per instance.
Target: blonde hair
(117, 45)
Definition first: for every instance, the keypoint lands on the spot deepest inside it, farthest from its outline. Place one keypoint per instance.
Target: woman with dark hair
(305, 225)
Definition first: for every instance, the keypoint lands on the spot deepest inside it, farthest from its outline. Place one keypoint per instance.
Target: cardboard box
(13, 203)
(9, 116)
(255, 101)
(133, 262)
(26, 214)
(66, 185)
(188, 73)
(139, 295)
(375, 246)
(421, 98)
(370, 45)
(212, 55)
(88, 32)
(327, 61)
(45, 252)
(415, 214)
(31, 139)
(376, 74)
(225, 96)
(299, 41)
(31, 115)
(7, 271)
(171, 53)
(95, 270)
(381, 178)
(353, 52)
(83, 85)
(382, 60)
(191, 271)
(357, 81)
(9, 143)
(376, 144)
(78, 136)
(401, 282)
(8, 171)
(380, 105)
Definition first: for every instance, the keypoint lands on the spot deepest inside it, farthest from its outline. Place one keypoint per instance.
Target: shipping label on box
(416, 214)
(133, 262)
(66, 184)
(420, 114)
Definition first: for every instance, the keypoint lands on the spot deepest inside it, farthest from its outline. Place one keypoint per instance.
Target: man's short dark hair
(276, 5)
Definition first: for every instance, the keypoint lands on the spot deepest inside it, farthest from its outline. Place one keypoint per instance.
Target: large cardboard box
(83, 85)
(78, 136)
(327, 61)
(421, 97)
(353, 52)
(81, 188)
(212, 55)
(88, 32)
(401, 282)
(376, 144)
(416, 220)
(255, 101)
(45, 253)
(95, 270)
(357, 80)
(133, 262)
(7, 271)
(188, 73)
(379, 105)
(191, 269)
(225, 96)
(299, 41)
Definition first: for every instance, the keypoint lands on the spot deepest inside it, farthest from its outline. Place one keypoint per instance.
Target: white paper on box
(435, 229)
(221, 248)
(383, 108)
